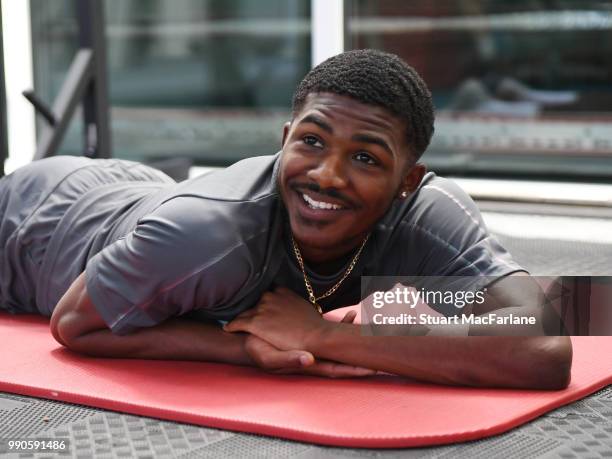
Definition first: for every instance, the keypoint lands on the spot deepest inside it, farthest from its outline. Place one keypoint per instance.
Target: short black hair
(376, 78)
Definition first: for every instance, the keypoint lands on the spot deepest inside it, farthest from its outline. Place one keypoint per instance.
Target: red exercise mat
(377, 412)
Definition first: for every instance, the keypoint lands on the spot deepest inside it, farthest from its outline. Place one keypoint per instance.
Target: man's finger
(271, 358)
(341, 370)
(298, 360)
(349, 317)
(329, 370)
(238, 324)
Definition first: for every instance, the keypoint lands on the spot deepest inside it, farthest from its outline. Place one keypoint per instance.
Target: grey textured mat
(580, 430)
(568, 258)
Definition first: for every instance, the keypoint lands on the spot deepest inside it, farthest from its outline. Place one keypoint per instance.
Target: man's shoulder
(438, 201)
(440, 231)
(250, 179)
(438, 214)
(436, 188)
(225, 205)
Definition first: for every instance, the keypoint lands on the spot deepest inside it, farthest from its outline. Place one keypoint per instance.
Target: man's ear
(286, 127)
(412, 179)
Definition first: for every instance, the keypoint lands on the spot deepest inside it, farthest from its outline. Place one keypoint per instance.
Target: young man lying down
(130, 264)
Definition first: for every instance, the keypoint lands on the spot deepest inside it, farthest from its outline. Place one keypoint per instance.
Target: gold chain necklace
(311, 296)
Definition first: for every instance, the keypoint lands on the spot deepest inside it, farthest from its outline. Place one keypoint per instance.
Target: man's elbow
(550, 362)
(63, 329)
(70, 327)
(75, 317)
(56, 330)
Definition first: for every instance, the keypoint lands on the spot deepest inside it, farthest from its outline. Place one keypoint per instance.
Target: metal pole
(86, 83)
(95, 101)
(3, 117)
(70, 95)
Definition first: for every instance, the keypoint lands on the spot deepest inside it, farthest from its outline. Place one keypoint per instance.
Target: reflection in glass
(519, 86)
(206, 79)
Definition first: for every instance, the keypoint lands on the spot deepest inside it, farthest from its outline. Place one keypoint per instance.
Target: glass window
(206, 79)
(3, 114)
(520, 87)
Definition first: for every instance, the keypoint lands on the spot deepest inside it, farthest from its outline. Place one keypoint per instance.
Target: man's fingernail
(304, 359)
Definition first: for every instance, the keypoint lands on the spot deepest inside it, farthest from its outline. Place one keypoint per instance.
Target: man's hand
(286, 358)
(283, 319)
(276, 361)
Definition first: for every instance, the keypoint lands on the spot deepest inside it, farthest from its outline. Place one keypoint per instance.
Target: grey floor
(580, 430)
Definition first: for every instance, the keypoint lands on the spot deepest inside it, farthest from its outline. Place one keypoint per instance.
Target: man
(130, 265)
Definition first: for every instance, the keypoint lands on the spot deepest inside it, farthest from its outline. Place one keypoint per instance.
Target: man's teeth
(320, 205)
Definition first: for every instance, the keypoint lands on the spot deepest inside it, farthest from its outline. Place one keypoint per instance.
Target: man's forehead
(331, 109)
(339, 101)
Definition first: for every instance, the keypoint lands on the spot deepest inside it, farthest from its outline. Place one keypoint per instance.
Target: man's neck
(324, 261)
(330, 267)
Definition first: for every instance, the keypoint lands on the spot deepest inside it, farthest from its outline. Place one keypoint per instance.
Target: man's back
(60, 212)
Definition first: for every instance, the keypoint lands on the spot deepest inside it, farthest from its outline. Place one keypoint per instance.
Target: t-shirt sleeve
(179, 258)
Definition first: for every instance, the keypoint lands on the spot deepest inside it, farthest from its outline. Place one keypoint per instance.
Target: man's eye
(366, 158)
(312, 141)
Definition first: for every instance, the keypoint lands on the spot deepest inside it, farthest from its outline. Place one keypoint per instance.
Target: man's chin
(321, 229)
(315, 235)
(324, 237)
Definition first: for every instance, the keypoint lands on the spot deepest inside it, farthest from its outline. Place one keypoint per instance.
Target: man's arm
(521, 362)
(515, 295)
(76, 324)
(537, 362)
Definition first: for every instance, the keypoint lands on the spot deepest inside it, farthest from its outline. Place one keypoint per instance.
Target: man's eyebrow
(318, 121)
(365, 138)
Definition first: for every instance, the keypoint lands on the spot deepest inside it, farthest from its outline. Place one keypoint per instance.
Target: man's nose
(329, 173)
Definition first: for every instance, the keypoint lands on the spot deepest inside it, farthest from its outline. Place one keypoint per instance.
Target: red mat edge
(296, 434)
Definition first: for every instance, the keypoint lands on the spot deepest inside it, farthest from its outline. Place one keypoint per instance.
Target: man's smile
(320, 204)
(316, 207)
(313, 194)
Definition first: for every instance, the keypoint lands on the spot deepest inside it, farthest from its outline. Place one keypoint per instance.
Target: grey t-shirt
(55, 213)
(210, 246)
(214, 244)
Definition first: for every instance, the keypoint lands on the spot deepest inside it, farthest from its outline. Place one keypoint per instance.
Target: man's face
(342, 165)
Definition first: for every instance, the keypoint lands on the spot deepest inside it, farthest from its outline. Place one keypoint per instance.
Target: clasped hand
(282, 329)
